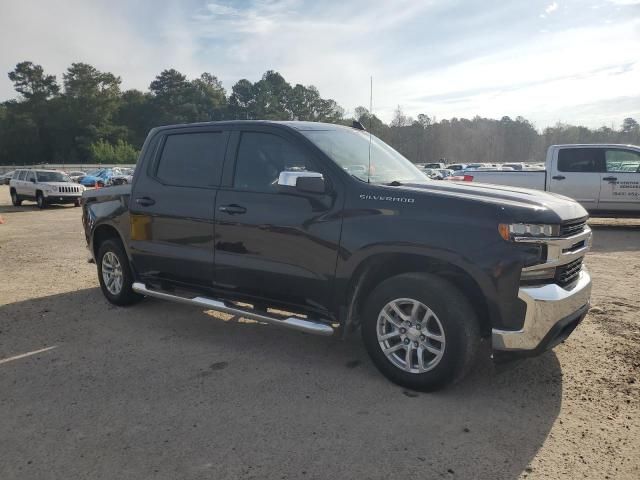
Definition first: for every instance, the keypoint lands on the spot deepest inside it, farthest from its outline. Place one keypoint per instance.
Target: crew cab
(604, 178)
(46, 187)
(332, 226)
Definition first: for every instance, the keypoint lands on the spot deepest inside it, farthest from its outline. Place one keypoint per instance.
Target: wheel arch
(377, 268)
(103, 232)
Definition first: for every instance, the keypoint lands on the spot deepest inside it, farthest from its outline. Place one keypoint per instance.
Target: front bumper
(552, 314)
(54, 197)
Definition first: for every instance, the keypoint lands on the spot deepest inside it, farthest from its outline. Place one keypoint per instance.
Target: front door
(272, 245)
(621, 182)
(171, 208)
(576, 173)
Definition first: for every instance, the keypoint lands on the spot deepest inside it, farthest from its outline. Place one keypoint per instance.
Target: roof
(298, 125)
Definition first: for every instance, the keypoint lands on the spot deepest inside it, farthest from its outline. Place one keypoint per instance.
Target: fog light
(538, 275)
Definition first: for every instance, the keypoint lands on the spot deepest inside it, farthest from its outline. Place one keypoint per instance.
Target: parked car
(76, 175)
(432, 173)
(386, 251)
(46, 187)
(457, 166)
(124, 177)
(6, 177)
(604, 178)
(98, 177)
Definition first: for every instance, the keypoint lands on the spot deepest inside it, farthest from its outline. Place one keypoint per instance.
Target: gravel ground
(165, 391)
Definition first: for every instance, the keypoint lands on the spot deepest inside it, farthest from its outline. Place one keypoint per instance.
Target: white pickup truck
(602, 177)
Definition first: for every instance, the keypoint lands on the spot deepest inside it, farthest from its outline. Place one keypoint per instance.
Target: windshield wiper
(395, 183)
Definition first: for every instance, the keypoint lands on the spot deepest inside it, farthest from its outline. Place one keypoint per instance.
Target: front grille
(567, 274)
(68, 189)
(573, 227)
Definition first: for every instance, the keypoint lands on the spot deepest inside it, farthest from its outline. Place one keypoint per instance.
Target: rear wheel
(15, 199)
(114, 274)
(420, 331)
(40, 200)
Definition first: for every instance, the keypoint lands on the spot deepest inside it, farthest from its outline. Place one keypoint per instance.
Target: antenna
(370, 116)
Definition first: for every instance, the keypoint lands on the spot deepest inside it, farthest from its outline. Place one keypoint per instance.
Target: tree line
(89, 118)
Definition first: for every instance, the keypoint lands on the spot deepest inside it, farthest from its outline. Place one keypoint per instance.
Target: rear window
(622, 161)
(192, 159)
(580, 160)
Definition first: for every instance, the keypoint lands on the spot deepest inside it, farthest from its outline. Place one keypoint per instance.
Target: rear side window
(622, 161)
(192, 159)
(261, 158)
(580, 160)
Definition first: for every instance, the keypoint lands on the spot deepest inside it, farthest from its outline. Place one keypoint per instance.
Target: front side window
(22, 175)
(580, 160)
(364, 156)
(261, 157)
(622, 161)
(30, 176)
(192, 159)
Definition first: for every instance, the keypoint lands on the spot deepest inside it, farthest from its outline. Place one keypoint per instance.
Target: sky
(549, 61)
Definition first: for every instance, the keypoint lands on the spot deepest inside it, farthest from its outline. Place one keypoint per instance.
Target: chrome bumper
(546, 306)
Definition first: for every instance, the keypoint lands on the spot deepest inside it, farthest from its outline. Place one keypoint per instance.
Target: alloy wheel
(410, 335)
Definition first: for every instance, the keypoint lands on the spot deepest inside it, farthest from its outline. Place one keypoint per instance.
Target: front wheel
(114, 274)
(420, 331)
(15, 199)
(40, 200)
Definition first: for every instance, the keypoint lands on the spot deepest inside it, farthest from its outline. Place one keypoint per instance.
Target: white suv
(45, 187)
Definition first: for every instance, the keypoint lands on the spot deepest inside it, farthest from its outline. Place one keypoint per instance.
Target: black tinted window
(192, 159)
(22, 175)
(261, 158)
(580, 160)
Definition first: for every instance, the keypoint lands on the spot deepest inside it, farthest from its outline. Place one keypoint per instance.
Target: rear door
(576, 173)
(171, 207)
(272, 245)
(621, 181)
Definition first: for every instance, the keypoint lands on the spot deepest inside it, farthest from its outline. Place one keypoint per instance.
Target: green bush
(105, 152)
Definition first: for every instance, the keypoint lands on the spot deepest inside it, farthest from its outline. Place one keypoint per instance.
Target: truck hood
(504, 196)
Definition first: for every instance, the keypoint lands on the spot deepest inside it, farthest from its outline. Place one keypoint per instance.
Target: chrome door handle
(558, 177)
(610, 179)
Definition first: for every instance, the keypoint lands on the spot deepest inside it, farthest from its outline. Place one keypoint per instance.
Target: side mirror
(310, 182)
(33, 180)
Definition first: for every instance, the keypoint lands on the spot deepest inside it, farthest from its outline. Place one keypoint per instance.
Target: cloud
(447, 59)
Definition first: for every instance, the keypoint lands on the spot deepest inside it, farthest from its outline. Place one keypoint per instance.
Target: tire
(40, 200)
(15, 199)
(123, 296)
(452, 319)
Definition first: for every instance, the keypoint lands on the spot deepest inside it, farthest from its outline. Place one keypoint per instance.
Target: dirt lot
(167, 391)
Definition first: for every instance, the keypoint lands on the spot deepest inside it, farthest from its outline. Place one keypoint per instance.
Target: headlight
(533, 230)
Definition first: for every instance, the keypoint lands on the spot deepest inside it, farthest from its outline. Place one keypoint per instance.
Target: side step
(294, 323)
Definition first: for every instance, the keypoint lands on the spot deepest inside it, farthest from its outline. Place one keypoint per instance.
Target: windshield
(52, 177)
(349, 148)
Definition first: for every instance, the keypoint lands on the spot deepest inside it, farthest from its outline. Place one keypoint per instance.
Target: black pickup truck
(334, 227)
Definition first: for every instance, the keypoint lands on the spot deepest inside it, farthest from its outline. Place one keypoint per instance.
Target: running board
(294, 323)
